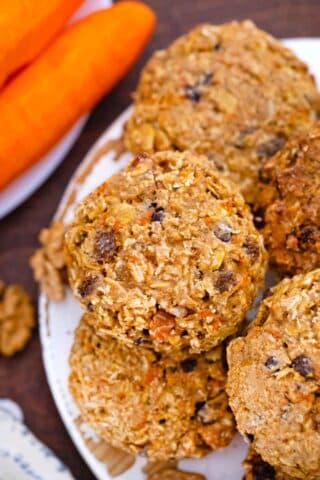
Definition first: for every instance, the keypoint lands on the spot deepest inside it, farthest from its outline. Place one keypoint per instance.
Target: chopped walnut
(154, 468)
(16, 319)
(48, 262)
(169, 471)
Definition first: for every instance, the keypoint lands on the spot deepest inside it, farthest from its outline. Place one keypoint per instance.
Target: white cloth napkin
(22, 455)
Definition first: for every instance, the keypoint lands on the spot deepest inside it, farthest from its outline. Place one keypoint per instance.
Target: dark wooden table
(22, 378)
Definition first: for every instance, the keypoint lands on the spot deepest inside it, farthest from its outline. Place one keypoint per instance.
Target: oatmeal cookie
(289, 205)
(231, 92)
(165, 254)
(274, 378)
(168, 407)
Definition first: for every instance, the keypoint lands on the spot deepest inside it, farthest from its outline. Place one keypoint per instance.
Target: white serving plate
(28, 182)
(58, 320)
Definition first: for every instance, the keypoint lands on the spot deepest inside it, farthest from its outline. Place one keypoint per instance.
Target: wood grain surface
(22, 378)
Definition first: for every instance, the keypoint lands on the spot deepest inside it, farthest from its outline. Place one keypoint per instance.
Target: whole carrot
(67, 80)
(26, 27)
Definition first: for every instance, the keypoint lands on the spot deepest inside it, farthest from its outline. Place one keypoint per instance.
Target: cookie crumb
(168, 470)
(153, 468)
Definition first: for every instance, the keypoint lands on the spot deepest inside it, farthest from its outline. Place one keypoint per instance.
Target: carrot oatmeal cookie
(289, 205)
(274, 378)
(231, 92)
(168, 407)
(165, 254)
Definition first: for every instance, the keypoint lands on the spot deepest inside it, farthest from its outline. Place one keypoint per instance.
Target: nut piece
(16, 319)
(48, 261)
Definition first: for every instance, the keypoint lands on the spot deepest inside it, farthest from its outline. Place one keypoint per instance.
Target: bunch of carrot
(49, 77)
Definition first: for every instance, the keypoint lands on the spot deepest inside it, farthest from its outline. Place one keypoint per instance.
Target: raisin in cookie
(165, 254)
(289, 205)
(231, 92)
(257, 469)
(168, 407)
(274, 378)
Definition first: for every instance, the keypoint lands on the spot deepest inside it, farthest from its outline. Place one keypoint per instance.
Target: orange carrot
(86, 60)
(26, 27)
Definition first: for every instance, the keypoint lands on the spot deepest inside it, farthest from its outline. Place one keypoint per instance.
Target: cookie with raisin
(165, 406)
(289, 205)
(165, 254)
(231, 92)
(274, 378)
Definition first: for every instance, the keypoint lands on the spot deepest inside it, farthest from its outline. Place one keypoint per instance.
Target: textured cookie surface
(168, 407)
(231, 92)
(290, 204)
(274, 378)
(257, 469)
(165, 254)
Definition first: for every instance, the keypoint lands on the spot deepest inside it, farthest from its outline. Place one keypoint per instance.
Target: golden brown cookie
(168, 407)
(274, 378)
(231, 92)
(289, 205)
(165, 254)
